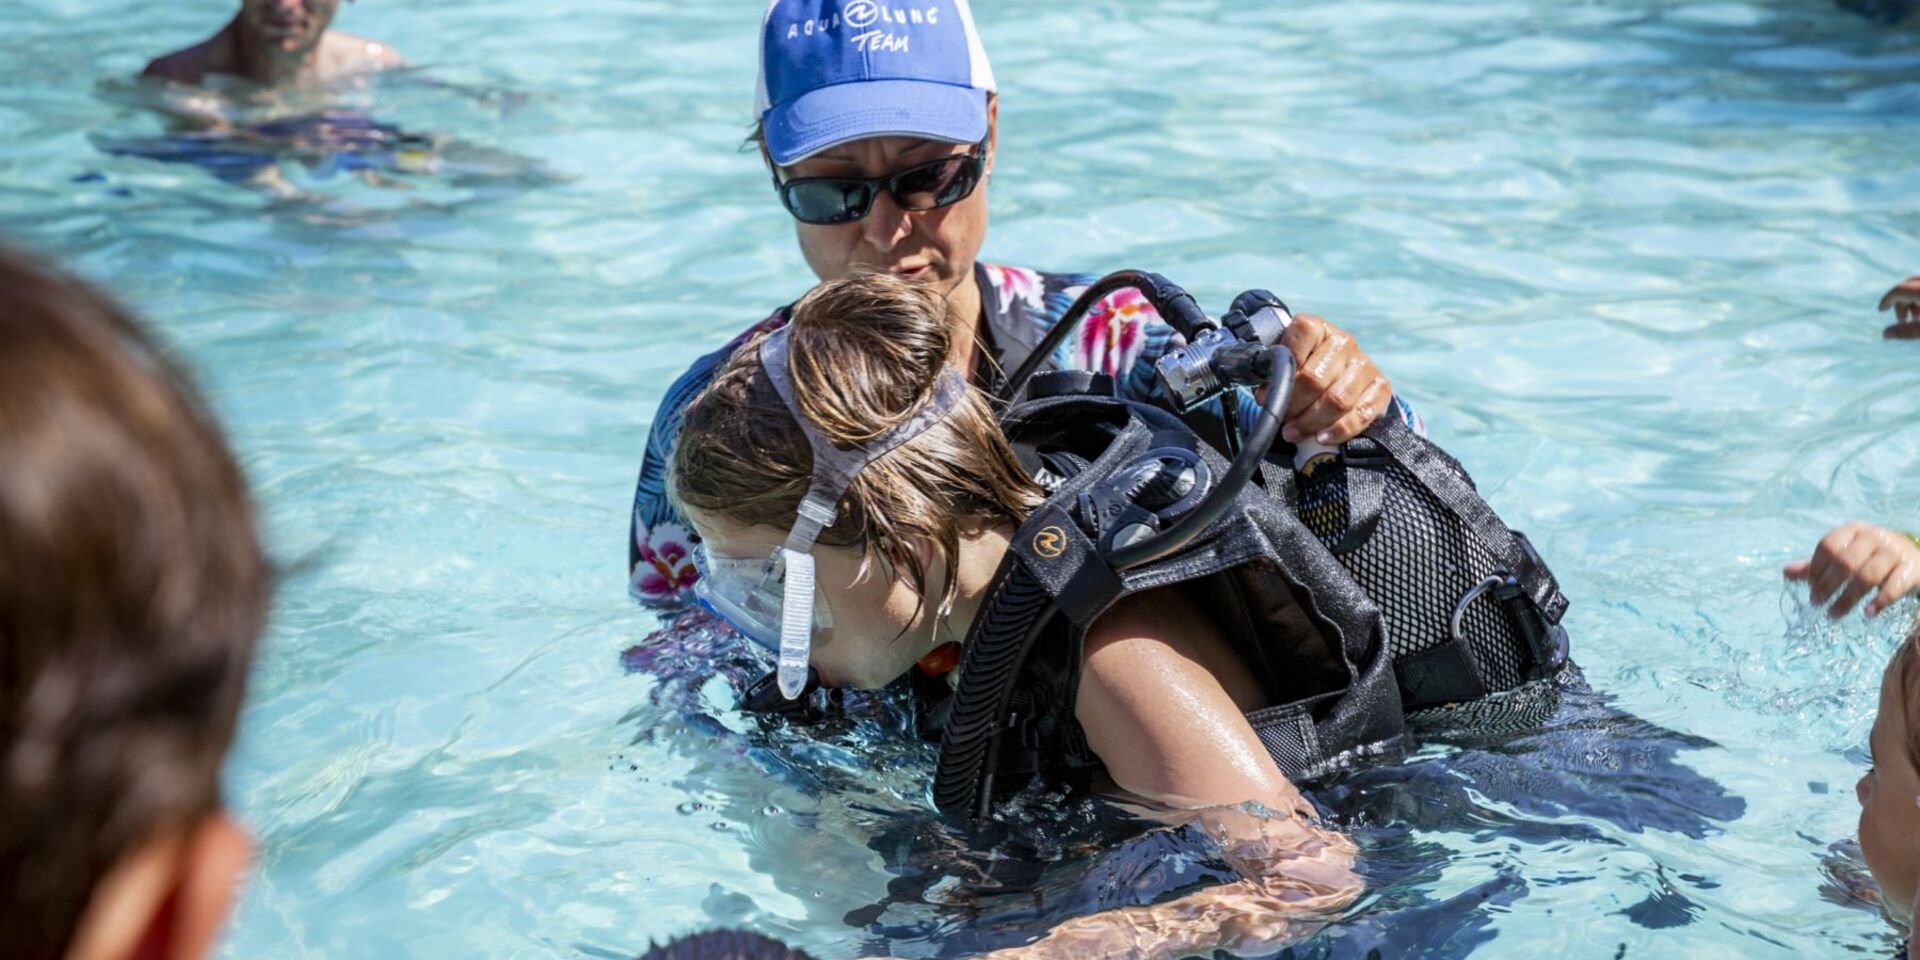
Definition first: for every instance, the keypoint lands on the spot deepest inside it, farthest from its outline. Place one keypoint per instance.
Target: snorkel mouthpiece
(796, 623)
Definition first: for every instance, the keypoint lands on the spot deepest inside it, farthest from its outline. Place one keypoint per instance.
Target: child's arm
(1155, 710)
(1854, 560)
(1904, 301)
(1299, 877)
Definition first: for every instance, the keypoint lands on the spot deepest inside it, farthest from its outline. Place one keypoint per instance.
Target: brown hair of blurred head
(1906, 659)
(725, 945)
(132, 589)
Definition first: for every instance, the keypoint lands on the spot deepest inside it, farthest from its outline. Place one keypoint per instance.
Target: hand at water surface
(1337, 390)
(1904, 301)
(1854, 560)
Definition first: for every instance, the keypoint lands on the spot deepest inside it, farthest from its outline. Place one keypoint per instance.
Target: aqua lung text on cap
(832, 71)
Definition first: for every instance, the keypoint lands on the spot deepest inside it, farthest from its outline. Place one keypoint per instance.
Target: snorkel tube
(1217, 358)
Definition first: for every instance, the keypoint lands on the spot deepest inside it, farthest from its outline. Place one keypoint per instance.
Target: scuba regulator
(1231, 353)
(1242, 348)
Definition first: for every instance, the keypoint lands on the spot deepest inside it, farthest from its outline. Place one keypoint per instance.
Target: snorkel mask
(774, 601)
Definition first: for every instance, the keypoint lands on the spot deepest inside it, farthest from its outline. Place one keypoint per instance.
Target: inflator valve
(1225, 355)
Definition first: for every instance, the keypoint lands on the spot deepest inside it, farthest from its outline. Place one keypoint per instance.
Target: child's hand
(1856, 558)
(1904, 301)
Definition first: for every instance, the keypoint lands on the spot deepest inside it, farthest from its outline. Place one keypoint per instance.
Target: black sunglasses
(928, 186)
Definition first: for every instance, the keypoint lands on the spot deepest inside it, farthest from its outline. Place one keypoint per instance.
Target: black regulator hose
(1279, 363)
(1176, 307)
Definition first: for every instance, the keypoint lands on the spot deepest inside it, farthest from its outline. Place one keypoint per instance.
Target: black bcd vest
(1377, 586)
(1312, 638)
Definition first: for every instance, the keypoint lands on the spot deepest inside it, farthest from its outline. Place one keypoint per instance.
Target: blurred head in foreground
(725, 945)
(1890, 792)
(132, 589)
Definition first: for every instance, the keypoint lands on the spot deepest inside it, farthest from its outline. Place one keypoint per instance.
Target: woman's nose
(886, 224)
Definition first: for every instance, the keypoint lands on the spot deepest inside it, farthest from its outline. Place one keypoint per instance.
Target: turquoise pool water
(1622, 255)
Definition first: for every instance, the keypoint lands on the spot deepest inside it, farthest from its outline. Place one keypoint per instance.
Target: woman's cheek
(828, 250)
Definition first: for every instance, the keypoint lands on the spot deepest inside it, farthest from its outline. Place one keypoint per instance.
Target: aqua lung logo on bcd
(1050, 542)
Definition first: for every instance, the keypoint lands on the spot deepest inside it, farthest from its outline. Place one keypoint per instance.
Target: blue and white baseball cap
(838, 70)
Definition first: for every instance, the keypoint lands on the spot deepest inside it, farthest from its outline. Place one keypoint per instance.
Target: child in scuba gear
(1889, 794)
(921, 492)
(1857, 559)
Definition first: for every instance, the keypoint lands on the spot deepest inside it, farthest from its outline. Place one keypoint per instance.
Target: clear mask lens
(749, 593)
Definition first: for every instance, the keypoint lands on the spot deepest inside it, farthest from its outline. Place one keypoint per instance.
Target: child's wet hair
(866, 355)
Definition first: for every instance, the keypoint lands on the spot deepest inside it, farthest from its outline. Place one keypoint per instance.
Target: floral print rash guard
(1122, 336)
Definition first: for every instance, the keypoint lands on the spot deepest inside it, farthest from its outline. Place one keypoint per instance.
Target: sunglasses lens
(936, 184)
(827, 201)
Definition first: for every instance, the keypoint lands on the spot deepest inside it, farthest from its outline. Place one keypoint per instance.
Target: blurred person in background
(277, 43)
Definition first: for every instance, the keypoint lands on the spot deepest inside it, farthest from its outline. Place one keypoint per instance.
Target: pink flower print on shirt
(1114, 333)
(666, 563)
(1014, 284)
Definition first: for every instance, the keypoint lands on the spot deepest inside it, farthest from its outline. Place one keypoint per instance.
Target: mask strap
(833, 471)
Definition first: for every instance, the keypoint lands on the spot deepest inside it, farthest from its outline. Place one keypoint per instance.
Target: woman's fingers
(1306, 338)
(1372, 404)
(1352, 383)
(1334, 380)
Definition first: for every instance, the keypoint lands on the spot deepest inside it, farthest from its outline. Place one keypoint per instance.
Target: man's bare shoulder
(190, 65)
(347, 53)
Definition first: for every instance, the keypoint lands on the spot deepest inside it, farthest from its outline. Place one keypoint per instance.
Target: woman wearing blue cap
(877, 122)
